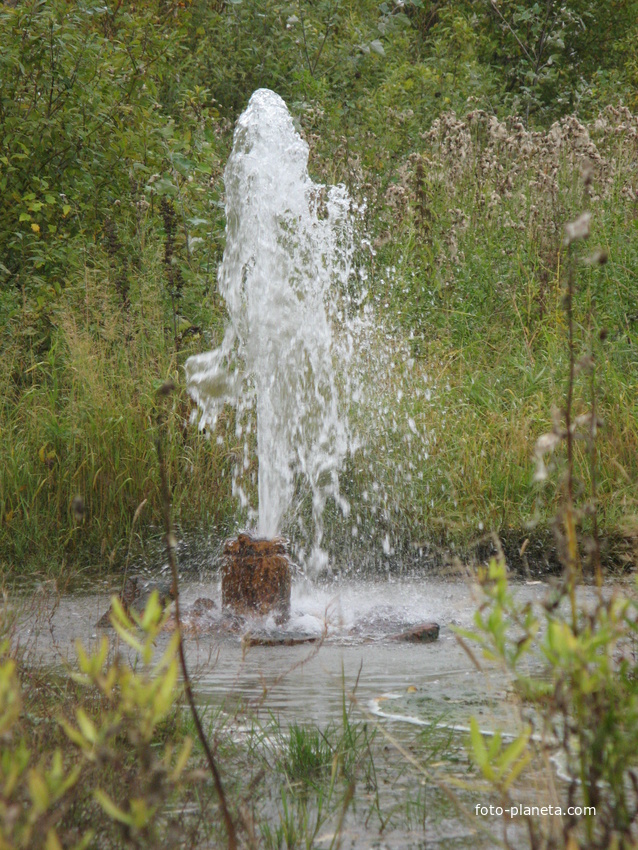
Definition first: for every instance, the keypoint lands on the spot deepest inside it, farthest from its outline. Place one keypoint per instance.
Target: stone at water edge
(199, 619)
(423, 633)
(135, 594)
(256, 576)
(202, 605)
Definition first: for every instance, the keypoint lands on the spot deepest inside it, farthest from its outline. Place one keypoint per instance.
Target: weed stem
(170, 548)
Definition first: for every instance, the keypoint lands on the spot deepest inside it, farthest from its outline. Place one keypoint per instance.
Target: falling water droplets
(313, 373)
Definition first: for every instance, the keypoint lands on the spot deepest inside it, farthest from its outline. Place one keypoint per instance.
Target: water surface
(307, 682)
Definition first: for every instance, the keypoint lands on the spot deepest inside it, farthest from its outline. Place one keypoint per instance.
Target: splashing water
(289, 245)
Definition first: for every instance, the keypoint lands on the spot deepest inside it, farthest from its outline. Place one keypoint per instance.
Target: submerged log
(256, 576)
(277, 639)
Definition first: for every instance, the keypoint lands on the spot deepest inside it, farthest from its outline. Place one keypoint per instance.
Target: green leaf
(479, 750)
(514, 750)
(38, 791)
(152, 612)
(52, 842)
(87, 727)
(164, 696)
(141, 812)
(85, 841)
(164, 186)
(182, 759)
(111, 809)
(517, 770)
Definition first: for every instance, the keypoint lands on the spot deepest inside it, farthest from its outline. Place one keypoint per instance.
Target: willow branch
(171, 545)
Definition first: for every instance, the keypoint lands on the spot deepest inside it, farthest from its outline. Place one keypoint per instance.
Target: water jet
(287, 362)
(286, 262)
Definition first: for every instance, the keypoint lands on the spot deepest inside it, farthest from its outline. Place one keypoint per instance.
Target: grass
(80, 420)
(469, 360)
(102, 300)
(477, 291)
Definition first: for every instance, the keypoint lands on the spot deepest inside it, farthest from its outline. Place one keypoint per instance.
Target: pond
(353, 623)
(417, 697)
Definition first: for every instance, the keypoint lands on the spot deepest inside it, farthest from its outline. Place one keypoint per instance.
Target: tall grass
(79, 420)
(469, 271)
(466, 362)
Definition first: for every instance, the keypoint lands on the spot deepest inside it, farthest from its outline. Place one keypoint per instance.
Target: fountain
(285, 266)
(291, 356)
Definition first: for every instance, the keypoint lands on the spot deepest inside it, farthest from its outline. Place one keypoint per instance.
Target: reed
(78, 421)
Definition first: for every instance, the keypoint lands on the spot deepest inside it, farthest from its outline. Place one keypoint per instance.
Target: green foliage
(85, 143)
(74, 78)
(314, 756)
(81, 417)
(538, 45)
(321, 768)
(28, 791)
(586, 697)
(115, 123)
(492, 619)
(306, 51)
(500, 765)
(124, 738)
(309, 753)
(546, 58)
(585, 700)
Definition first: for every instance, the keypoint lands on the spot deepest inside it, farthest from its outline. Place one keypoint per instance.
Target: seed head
(578, 229)
(598, 258)
(77, 506)
(166, 388)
